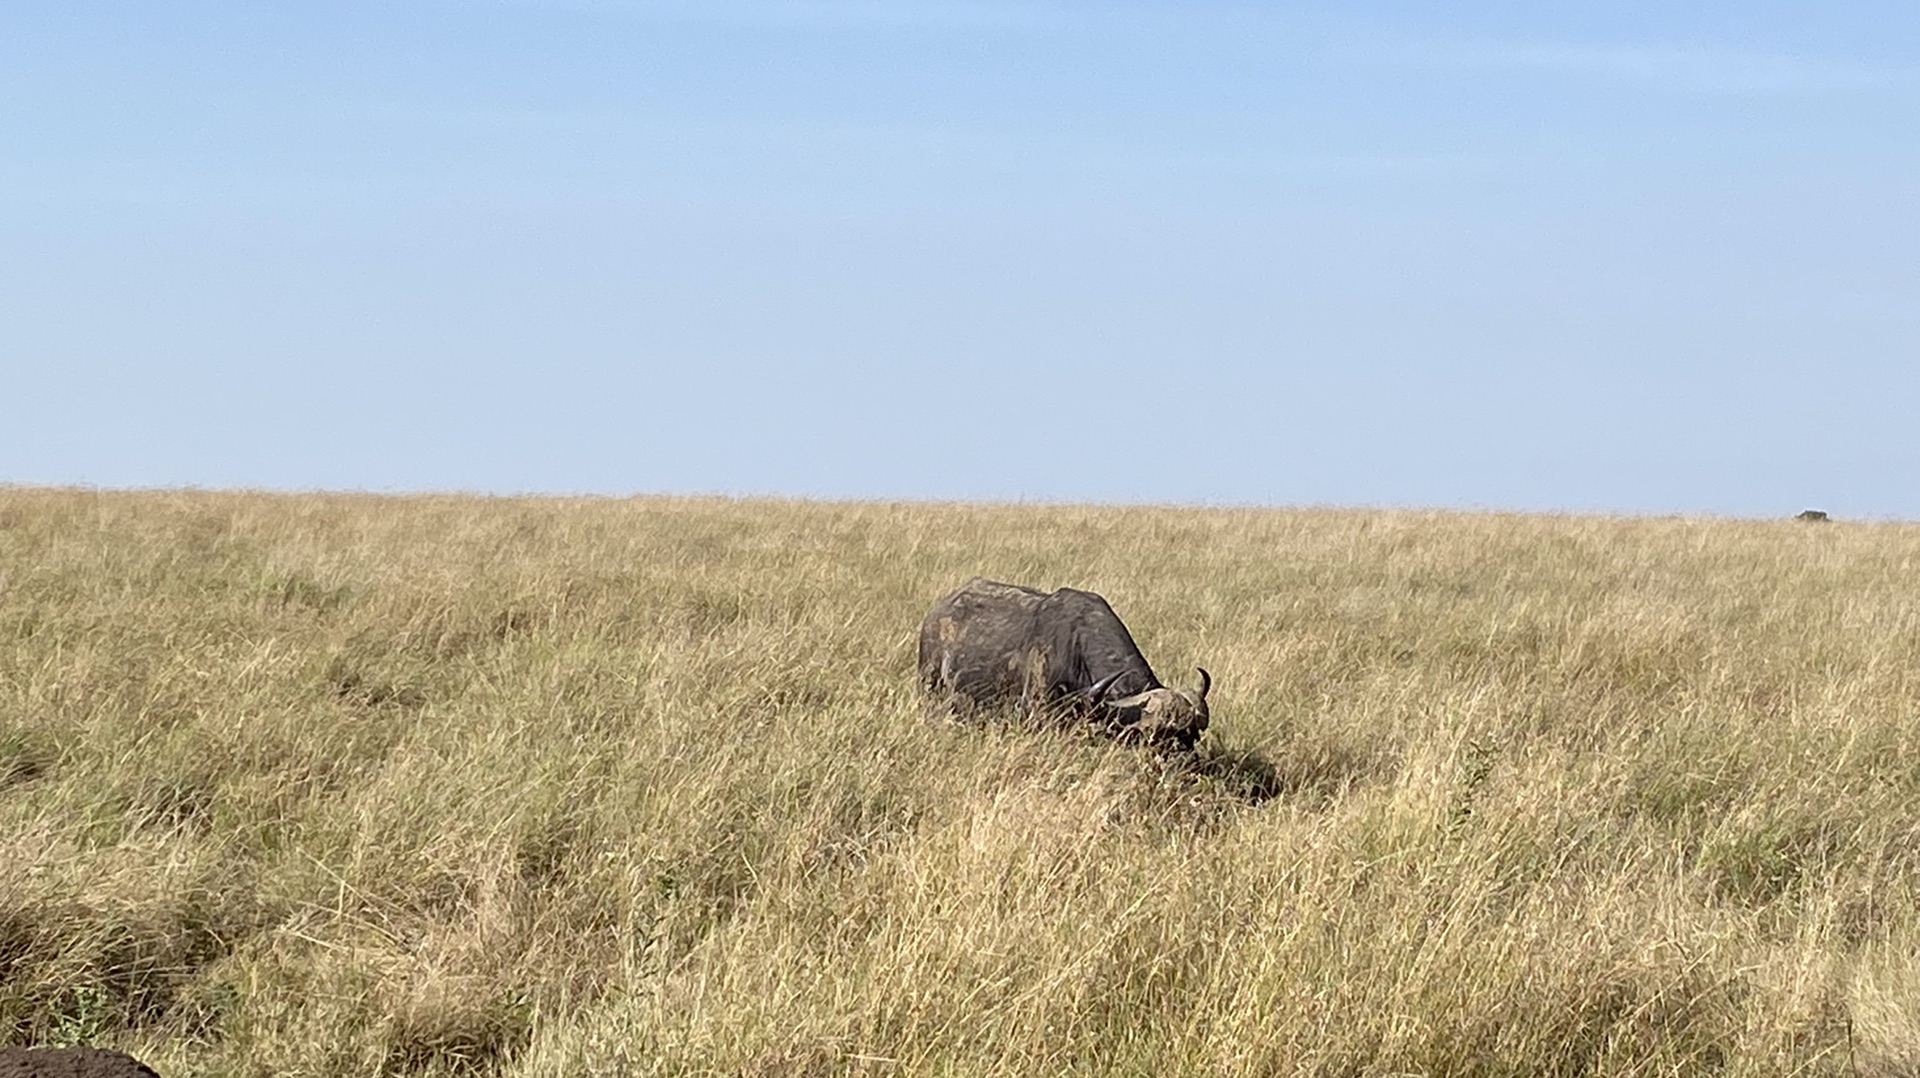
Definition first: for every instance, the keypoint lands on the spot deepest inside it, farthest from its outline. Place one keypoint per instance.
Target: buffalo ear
(1098, 691)
(1206, 682)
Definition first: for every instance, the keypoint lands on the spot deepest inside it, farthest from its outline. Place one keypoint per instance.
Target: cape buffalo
(994, 644)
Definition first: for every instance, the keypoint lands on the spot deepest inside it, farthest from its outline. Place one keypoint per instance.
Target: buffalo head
(1159, 716)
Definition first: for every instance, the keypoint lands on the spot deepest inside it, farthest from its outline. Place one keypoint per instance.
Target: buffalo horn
(1098, 691)
(1206, 681)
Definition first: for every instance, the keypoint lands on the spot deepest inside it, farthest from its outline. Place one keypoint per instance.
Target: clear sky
(1637, 257)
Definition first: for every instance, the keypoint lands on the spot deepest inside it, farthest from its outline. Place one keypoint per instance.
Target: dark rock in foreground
(70, 1063)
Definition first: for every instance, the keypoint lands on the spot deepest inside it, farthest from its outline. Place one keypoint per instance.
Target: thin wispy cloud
(824, 14)
(949, 148)
(1685, 69)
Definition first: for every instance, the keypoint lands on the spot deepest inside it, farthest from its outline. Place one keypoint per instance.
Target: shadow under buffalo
(1240, 774)
(1310, 771)
(81, 1062)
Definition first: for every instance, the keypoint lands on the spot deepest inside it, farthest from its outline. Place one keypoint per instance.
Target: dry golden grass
(347, 785)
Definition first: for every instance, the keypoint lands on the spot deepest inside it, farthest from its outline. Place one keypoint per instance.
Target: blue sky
(1640, 258)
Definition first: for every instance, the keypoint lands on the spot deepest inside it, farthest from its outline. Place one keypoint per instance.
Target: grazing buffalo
(996, 644)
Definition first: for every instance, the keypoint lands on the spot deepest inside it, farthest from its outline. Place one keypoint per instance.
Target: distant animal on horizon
(1064, 653)
(1817, 516)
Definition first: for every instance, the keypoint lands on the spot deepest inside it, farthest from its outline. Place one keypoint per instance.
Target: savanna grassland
(327, 785)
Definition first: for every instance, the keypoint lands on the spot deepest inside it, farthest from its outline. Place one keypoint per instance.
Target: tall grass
(353, 785)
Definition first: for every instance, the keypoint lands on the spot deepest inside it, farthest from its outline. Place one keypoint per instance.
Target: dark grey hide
(992, 644)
